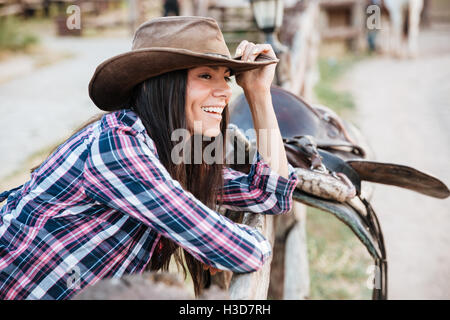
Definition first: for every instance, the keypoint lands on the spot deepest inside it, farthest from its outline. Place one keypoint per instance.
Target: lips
(214, 111)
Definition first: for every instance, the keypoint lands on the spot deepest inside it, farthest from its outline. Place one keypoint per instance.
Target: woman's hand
(257, 80)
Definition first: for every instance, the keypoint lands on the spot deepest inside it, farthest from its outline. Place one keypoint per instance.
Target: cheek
(193, 113)
(196, 96)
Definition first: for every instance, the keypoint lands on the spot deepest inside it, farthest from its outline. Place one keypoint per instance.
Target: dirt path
(40, 108)
(404, 110)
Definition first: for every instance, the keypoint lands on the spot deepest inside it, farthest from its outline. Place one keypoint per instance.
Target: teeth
(212, 109)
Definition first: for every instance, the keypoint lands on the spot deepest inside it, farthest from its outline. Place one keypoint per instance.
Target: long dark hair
(160, 104)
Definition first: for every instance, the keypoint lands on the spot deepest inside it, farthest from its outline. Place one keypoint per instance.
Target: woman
(111, 200)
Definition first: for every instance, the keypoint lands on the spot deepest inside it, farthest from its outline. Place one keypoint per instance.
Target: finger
(239, 49)
(260, 48)
(247, 54)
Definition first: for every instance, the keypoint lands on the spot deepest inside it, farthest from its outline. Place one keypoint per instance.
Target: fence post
(296, 266)
(254, 285)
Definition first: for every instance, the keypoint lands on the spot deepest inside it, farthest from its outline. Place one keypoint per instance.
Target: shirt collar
(130, 118)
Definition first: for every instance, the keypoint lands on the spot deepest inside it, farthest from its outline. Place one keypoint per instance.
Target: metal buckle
(320, 169)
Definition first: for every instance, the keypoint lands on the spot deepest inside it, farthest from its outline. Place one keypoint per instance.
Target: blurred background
(382, 65)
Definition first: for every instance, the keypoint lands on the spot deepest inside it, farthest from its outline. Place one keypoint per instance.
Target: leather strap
(330, 161)
(379, 292)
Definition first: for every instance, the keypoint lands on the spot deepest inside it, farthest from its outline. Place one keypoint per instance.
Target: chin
(212, 132)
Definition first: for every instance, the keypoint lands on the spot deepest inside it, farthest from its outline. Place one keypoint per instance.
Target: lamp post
(268, 15)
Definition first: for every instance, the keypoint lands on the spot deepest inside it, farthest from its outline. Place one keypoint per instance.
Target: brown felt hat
(162, 45)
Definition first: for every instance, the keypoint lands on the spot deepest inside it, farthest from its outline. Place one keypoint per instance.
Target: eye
(208, 76)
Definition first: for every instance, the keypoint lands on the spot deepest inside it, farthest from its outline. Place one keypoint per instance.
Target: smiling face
(207, 94)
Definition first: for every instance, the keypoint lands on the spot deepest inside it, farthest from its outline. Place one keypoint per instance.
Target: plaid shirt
(99, 204)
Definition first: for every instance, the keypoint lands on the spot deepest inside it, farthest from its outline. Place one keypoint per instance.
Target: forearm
(269, 141)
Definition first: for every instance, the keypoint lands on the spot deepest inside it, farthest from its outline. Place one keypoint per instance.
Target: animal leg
(395, 9)
(415, 9)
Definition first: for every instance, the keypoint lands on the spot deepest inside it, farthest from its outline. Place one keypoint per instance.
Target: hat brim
(114, 79)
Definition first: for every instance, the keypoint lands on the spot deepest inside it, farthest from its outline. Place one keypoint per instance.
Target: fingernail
(255, 51)
(238, 52)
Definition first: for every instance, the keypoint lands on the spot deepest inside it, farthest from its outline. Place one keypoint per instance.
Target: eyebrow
(217, 68)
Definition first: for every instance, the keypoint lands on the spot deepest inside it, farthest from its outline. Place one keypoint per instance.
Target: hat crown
(196, 34)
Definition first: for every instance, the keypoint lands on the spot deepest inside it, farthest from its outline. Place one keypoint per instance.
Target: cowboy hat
(162, 45)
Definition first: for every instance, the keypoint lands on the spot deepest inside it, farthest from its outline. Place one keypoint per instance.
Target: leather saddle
(321, 144)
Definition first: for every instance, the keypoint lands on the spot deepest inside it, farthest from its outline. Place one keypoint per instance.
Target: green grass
(13, 37)
(338, 261)
(331, 70)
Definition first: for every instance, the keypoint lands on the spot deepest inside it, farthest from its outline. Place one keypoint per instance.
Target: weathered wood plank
(296, 271)
(254, 286)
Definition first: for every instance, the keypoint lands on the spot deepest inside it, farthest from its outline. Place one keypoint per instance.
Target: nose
(222, 90)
